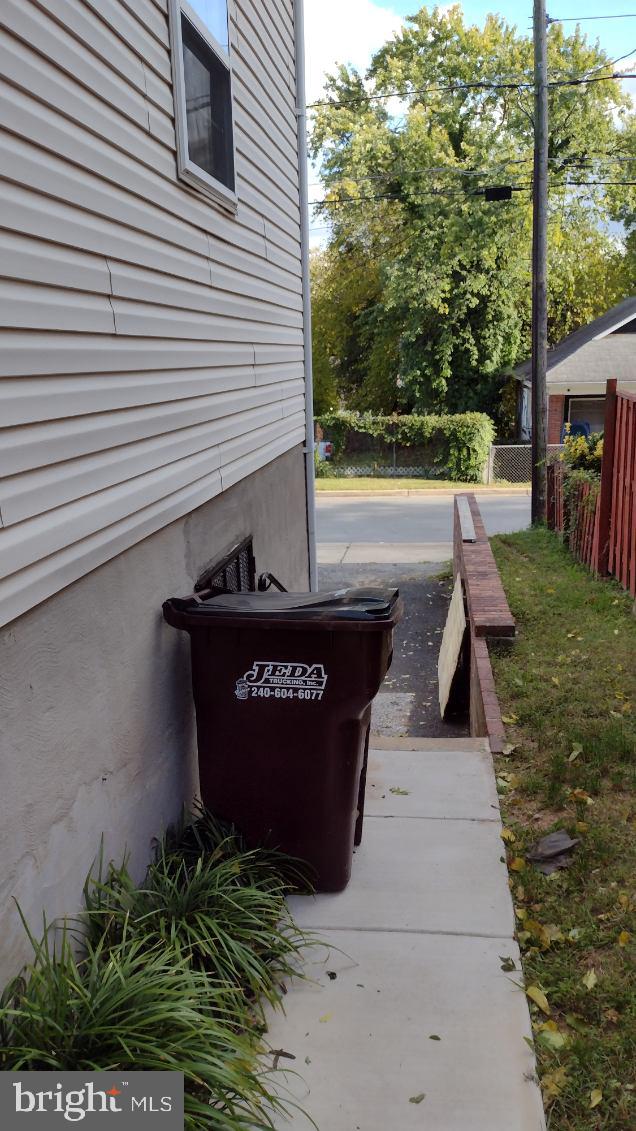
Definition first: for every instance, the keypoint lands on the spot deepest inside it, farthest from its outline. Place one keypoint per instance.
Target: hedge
(457, 446)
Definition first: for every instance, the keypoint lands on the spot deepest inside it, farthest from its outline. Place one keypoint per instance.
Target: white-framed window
(202, 79)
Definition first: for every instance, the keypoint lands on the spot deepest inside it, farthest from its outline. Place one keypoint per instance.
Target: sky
(350, 31)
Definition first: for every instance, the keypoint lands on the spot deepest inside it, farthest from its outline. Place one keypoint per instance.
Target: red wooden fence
(601, 532)
(622, 541)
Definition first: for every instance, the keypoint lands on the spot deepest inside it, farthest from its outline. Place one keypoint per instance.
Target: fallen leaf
(279, 1054)
(582, 795)
(624, 938)
(325, 1017)
(552, 1083)
(576, 750)
(552, 1040)
(417, 1099)
(549, 590)
(434, 1037)
(575, 1022)
(395, 789)
(590, 979)
(556, 681)
(547, 1027)
(507, 963)
(508, 748)
(538, 997)
(518, 864)
(510, 720)
(507, 834)
(595, 1097)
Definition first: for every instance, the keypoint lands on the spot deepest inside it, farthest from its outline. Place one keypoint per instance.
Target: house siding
(97, 728)
(151, 344)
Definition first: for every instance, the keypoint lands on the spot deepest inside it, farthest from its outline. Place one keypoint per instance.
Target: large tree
(424, 290)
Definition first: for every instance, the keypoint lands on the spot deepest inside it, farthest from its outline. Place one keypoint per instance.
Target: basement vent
(236, 573)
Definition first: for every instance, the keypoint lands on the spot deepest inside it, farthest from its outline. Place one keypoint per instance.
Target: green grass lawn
(568, 694)
(337, 483)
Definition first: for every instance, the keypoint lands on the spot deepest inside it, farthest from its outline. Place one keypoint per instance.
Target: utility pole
(540, 265)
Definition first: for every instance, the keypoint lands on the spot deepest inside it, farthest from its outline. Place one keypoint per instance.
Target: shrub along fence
(435, 447)
(597, 514)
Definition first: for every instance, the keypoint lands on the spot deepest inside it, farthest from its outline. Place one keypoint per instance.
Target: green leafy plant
(583, 453)
(202, 834)
(225, 913)
(170, 975)
(125, 1006)
(455, 446)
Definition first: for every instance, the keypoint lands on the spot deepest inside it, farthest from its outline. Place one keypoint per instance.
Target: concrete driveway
(408, 529)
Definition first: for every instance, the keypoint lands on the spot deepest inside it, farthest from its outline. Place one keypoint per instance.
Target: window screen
(208, 99)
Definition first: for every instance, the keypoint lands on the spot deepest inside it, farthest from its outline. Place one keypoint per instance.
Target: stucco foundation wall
(96, 719)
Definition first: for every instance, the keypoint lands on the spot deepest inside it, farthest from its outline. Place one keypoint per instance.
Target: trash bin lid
(360, 606)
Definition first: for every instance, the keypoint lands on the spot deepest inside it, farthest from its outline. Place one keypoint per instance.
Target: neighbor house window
(203, 96)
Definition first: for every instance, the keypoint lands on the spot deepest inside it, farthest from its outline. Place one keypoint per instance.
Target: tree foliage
(456, 446)
(422, 296)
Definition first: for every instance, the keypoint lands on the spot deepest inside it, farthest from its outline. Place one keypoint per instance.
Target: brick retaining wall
(489, 618)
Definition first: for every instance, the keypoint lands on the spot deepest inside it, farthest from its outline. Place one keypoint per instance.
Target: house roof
(600, 328)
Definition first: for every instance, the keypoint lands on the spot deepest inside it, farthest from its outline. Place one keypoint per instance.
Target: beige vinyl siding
(151, 343)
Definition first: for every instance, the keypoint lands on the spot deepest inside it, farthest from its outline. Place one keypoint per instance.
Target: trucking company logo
(272, 680)
(54, 1099)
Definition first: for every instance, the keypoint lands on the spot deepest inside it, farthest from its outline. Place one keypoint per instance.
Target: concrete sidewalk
(406, 1019)
(382, 553)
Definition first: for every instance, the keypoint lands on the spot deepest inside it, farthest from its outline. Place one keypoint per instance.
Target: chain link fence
(382, 471)
(512, 463)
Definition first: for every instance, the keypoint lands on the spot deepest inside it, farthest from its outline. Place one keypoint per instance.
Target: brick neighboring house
(578, 368)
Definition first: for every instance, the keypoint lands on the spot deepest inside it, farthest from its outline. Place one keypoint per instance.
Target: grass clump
(208, 898)
(378, 484)
(568, 694)
(168, 975)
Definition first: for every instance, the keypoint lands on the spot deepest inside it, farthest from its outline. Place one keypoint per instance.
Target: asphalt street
(412, 518)
(405, 541)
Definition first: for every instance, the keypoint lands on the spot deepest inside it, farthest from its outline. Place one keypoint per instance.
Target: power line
(422, 90)
(581, 19)
(618, 75)
(355, 200)
(431, 169)
(592, 79)
(564, 163)
(590, 184)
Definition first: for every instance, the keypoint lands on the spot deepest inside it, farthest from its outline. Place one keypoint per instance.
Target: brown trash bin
(283, 685)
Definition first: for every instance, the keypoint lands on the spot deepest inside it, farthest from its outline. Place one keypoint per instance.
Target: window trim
(187, 170)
